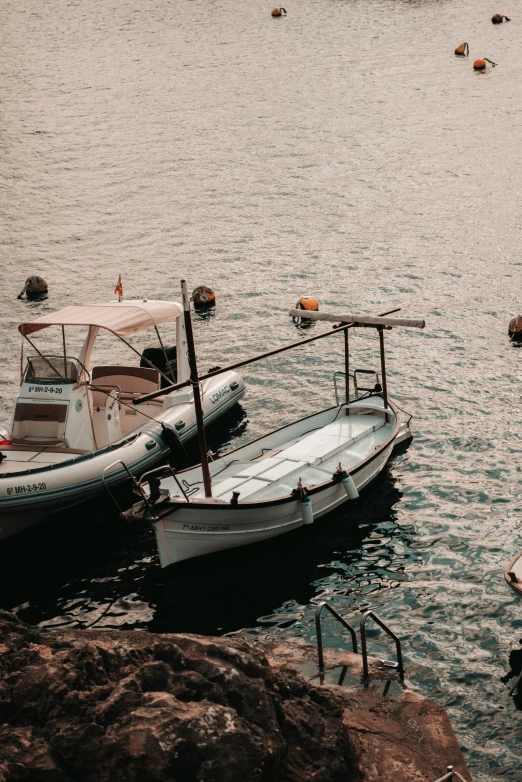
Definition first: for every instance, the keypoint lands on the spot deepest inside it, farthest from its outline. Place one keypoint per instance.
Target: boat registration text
(45, 390)
(203, 528)
(26, 489)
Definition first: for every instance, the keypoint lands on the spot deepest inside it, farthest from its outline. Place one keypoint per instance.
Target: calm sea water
(344, 152)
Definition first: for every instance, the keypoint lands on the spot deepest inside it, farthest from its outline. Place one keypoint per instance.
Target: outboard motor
(157, 357)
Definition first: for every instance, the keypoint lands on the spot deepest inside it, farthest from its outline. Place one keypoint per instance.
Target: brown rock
(100, 706)
(408, 739)
(402, 737)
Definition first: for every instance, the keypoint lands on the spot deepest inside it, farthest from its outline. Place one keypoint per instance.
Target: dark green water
(342, 152)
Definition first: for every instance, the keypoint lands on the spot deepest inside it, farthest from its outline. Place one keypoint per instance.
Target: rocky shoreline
(100, 705)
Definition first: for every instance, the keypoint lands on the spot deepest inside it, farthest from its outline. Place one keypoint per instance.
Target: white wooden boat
(282, 480)
(72, 420)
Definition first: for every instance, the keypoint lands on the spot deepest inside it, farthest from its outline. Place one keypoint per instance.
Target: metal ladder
(362, 629)
(451, 776)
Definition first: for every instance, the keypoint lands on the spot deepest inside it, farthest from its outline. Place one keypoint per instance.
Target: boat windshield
(51, 368)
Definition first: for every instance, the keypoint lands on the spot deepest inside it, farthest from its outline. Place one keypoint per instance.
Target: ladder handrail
(320, 635)
(386, 629)
(450, 776)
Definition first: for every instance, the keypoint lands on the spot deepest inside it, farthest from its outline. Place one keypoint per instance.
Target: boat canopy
(121, 318)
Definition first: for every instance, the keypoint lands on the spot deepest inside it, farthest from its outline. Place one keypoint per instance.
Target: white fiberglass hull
(186, 534)
(203, 526)
(35, 485)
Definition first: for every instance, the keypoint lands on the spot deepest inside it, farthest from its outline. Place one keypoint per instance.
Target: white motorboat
(282, 480)
(73, 424)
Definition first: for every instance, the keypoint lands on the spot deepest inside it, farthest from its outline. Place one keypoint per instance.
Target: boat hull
(183, 535)
(30, 496)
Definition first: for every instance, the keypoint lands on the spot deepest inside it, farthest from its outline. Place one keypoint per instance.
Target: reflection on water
(120, 583)
(513, 677)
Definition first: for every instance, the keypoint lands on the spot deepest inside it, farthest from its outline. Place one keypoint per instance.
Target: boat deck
(312, 458)
(23, 457)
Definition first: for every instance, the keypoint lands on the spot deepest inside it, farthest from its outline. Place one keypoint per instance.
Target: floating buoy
(307, 513)
(309, 303)
(515, 329)
(480, 65)
(203, 297)
(499, 18)
(34, 286)
(278, 12)
(462, 50)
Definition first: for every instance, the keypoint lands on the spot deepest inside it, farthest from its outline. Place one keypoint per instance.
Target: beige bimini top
(121, 318)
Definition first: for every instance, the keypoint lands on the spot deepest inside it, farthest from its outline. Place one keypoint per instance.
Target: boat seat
(130, 381)
(335, 437)
(39, 424)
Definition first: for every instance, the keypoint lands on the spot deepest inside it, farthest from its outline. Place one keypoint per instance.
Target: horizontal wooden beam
(244, 362)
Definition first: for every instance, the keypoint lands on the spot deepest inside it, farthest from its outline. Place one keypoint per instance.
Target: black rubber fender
(172, 440)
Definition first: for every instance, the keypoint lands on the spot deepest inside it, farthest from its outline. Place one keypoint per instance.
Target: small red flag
(119, 287)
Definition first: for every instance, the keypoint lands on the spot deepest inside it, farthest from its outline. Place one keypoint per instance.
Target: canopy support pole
(383, 370)
(153, 366)
(347, 366)
(167, 362)
(196, 387)
(64, 352)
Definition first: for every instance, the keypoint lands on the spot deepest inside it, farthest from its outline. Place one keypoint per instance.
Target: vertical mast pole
(64, 352)
(196, 388)
(380, 329)
(347, 366)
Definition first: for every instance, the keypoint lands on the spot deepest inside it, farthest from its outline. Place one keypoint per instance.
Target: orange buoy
(499, 18)
(462, 50)
(309, 303)
(480, 64)
(278, 12)
(203, 297)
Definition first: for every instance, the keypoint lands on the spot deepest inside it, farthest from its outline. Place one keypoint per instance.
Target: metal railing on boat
(160, 472)
(136, 485)
(339, 374)
(336, 377)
